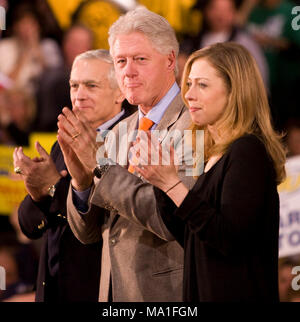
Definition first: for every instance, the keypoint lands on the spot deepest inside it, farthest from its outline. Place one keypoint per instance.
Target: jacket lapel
(170, 117)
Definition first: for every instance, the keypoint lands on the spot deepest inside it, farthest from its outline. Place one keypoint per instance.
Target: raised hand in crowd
(38, 173)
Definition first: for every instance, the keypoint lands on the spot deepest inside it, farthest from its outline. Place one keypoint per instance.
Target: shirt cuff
(80, 199)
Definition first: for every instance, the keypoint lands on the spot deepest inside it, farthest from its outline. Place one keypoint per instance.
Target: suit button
(44, 283)
(113, 241)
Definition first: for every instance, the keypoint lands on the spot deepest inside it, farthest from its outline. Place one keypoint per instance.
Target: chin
(134, 100)
(198, 122)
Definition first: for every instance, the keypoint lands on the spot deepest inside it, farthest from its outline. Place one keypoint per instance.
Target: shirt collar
(156, 113)
(110, 122)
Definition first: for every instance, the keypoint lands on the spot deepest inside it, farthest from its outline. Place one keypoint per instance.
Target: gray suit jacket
(144, 260)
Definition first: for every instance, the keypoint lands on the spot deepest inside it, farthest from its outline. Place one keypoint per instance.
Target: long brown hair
(247, 110)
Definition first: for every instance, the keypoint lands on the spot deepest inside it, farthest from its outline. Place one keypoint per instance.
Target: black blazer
(79, 265)
(228, 225)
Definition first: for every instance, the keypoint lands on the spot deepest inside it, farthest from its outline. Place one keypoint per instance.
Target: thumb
(42, 152)
(172, 152)
(64, 173)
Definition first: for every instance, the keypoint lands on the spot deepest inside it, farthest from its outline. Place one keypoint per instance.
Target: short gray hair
(155, 27)
(103, 55)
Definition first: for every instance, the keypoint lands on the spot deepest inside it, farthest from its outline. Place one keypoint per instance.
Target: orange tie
(144, 125)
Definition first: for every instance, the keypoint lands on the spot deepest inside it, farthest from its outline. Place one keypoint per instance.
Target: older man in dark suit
(68, 270)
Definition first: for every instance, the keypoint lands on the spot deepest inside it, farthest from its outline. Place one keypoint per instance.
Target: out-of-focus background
(38, 42)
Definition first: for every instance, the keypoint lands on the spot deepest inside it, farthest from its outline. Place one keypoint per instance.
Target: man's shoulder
(127, 120)
(176, 115)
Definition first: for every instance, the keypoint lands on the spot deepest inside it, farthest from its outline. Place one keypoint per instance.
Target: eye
(74, 85)
(202, 85)
(91, 85)
(188, 84)
(120, 61)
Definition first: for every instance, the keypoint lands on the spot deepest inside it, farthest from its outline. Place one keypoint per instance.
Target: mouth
(82, 107)
(194, 109)
(133, 85)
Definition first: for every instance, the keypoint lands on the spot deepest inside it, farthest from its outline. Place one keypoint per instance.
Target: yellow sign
(97, 15)
(63, 10)
(180, 14)
(12, 190)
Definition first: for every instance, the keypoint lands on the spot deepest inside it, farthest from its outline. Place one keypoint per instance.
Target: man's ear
(171, 61)
(119, 97)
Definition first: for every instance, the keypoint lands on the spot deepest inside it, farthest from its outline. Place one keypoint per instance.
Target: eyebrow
(86, 81)
(198, 78)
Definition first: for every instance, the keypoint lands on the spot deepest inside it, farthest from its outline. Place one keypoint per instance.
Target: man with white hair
(141, 261)
(68, 270)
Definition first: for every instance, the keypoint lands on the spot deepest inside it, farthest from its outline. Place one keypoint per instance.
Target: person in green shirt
(270, 22)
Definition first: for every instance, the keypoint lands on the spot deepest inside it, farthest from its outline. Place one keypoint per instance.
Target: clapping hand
(155, 164)
(38, 173)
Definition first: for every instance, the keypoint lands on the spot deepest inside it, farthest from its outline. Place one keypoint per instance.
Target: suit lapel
(170, 117)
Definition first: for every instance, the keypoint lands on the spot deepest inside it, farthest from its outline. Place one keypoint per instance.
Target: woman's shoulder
(248, 145)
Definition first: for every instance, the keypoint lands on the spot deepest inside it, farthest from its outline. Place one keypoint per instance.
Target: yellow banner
(12, 190)
(97, 15)
(63, 10)
(180, 14)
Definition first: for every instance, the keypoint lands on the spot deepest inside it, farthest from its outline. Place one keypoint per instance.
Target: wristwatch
(100, 170)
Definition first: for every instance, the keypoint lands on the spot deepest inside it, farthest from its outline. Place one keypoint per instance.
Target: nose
(130, 69)
(190, 95)
(81, 93)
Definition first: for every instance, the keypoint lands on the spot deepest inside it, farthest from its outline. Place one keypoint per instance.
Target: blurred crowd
(35, 61)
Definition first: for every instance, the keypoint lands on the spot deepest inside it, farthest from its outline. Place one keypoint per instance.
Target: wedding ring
(18, 170)
(75, 136)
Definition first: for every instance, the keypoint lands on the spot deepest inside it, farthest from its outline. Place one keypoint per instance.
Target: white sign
(2, 279)
(289, 194)
(296, 20)
(2, 18)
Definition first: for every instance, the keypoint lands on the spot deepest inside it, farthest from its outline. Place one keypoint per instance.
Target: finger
(172, 152)
(141, 171)
(37, 159)
(160, 152)
(63, 145)
(64, 138)
(15, 157)
(24, 160)
(42, 152)
(85, 123)
(73, 120)
(64, 124)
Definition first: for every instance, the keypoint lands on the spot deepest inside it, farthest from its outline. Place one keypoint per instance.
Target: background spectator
(17, 113)
(270, 22)
(293, 137)
(26, 54)
(219, 18)
(53, 90)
